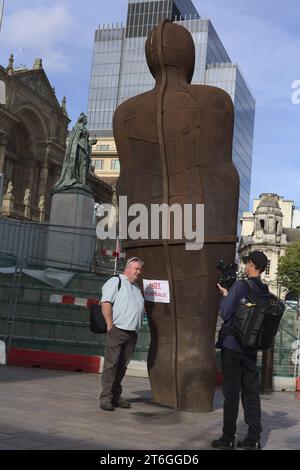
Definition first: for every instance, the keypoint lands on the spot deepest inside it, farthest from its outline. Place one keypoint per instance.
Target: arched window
(262, 223)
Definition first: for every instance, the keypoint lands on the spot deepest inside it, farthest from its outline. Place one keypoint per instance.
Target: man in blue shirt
(239, 365)
(123, 311)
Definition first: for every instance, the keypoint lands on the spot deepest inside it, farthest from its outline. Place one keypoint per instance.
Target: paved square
(49, 409)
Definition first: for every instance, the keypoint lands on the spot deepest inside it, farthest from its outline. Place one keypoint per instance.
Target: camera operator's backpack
(97, 320)
(257, 318)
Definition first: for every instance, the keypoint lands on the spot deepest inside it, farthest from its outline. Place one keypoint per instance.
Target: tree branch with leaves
(288, 273)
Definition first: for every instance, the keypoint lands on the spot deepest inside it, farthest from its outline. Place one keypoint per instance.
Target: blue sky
(261, 36)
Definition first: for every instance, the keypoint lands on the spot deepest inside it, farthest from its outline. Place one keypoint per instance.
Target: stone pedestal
(72, 234)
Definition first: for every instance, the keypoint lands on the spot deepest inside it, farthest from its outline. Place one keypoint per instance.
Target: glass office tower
(119, 71)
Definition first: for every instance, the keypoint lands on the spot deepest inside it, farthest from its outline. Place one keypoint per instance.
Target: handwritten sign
(156, 291)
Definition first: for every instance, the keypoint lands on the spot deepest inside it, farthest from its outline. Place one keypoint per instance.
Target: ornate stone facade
(269, 228)
(33, 133)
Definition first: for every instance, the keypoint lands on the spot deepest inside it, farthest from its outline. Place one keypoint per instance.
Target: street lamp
(1, 12)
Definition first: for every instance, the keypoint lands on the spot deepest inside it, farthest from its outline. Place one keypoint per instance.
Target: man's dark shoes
(249, 444)
(107, 406)
(223, 443)
(122, 403)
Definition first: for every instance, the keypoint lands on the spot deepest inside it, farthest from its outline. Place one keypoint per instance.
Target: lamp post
(1, 187)
(1, 12)
(1, 174)
(267, 364)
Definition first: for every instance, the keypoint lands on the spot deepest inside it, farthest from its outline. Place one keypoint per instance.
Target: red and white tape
(70, 300)
(115, 254)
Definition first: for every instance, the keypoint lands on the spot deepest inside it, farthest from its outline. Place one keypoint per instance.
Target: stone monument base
(72, 233)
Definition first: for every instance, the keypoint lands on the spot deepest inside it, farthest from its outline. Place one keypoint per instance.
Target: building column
(31, 166)
(42, 191)
(2, 152)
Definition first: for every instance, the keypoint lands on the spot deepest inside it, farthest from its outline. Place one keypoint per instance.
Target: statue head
(171, 45)
(82, 119)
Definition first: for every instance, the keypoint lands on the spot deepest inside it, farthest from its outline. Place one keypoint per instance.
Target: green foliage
(289, 267)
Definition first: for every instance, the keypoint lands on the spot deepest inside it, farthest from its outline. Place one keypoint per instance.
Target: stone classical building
(33, 133)
(269, 228)
(105, 160)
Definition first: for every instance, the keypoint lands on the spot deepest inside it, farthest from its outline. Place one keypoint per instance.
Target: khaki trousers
(119, 348)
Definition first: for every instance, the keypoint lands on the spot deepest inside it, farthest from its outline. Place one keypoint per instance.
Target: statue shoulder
(212, 94)
(133, 105)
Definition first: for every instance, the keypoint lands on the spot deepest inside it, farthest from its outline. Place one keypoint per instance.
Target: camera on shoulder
(228, 275)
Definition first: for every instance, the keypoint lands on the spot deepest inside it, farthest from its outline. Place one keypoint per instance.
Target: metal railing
(76, 247)
(27, 306)
(19, 286)
(9, 262)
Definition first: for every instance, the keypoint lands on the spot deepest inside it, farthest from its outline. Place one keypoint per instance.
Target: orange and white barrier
(70, 300)
(115, 254)
(53, 360)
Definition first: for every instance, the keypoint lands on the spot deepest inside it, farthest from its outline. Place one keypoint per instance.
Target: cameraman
(239, 365)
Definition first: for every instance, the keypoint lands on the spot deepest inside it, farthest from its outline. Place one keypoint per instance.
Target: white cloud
(40, 31)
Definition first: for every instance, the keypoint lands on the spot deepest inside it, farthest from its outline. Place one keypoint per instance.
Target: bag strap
(120, 282)
(249, 288)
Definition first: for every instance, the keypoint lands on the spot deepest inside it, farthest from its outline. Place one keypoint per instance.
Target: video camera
(228, 274)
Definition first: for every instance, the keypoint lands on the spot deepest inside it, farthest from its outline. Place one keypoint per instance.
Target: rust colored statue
(175, 146)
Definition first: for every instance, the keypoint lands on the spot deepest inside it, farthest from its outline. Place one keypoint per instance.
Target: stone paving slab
(47, 409)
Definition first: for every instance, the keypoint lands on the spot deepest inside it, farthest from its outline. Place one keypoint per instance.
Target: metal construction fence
(71, 245)
(76, 248)
(44, 306)
(22, 238)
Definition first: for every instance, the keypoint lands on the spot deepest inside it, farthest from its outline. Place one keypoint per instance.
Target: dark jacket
(228, 305)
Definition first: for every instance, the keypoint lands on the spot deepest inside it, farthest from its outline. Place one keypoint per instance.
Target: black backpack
(97, 320)
(257, 318)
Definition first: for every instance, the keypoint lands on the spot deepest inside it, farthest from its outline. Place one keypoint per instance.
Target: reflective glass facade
(104, 83)
(119, 71)
(228, 77)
